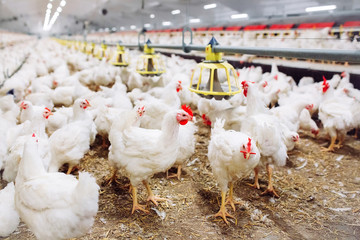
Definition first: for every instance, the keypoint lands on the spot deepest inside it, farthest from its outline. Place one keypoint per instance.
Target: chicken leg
(71, 167)
(113, 177)
(223, 212)
(151, 196)
(136, 205)
(341, 141)
(230, 199)
(331, 147)
(270, 189)
(256, 183)
(178, 174)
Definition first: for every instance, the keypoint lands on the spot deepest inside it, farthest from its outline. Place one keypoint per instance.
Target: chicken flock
(53, 108)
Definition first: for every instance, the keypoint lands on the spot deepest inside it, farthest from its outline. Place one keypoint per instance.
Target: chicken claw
(230, 199)
(178, 174)
(151, 196)
(256, 183)
(136, 205)
(271, 192)
(270, 189)
(223, 212)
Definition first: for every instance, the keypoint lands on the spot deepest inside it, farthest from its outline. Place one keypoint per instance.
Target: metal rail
(352, 56)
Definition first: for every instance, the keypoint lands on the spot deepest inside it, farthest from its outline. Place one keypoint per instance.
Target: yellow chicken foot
(230, 199)
(256, 183)
(151, 196)
(113, 177)
(71, 167)
(356, 133)
(341, 141)
(331, 147)
(270, 189)
(223, 212)
(136, 205)
(178, 174)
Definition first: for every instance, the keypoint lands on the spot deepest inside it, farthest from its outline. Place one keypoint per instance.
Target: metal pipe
(317, 54)
(300, 53)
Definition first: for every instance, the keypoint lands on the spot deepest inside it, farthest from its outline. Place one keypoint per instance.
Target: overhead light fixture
(132, 27)
(210, 6)
(166, 23)
(195, 20)
(320, 8)
(147, 25)
(49, 22)
(174, 12)
(62, 3)
(152, 15)
(237, 16)
(113, 29)
(122, 28)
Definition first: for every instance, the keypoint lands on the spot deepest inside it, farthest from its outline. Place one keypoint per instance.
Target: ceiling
(28, 15)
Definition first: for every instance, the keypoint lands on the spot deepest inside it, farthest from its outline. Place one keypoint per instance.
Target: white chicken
(53, 205)
(131, 118)
(232, 155)
(266, 132)
(337, 115)
(16, 145)
(141, 153)
(9, 217)
(69, 143)
(307, 123)
(187, 143)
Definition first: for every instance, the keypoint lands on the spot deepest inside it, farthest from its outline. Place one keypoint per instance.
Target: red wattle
(183, 122)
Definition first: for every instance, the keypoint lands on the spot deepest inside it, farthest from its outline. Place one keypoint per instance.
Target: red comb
(87, 101)
(48, 109)
(206, 120)
(248, 148)
(188, 110)
(33, 135)
(276, 77)
(265, 84)
(325, 84)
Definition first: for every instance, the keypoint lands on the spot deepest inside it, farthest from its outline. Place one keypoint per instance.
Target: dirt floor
(319, 199)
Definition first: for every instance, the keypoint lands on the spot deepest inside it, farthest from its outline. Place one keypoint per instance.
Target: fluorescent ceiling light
(195, 20)
(113, 29)
(177, 11)
(152, 15)
(241, 15)
(166, 23)
(147, 25)
(63, 3)
(133, 27)
(320, 8)
(122, 28)
(209, 6)
(49, 6)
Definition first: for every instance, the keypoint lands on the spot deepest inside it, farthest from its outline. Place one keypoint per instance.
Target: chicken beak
(51, 113)
(247, 156)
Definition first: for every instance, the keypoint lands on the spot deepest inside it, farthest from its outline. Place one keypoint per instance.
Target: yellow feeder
(209, 77)
(150, 64)
(101, 51)
(90, 49)
(83, 47)
(121, 59)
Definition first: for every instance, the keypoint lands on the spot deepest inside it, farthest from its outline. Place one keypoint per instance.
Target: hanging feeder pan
(121, 58)
(216, 79)
(150, 64)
